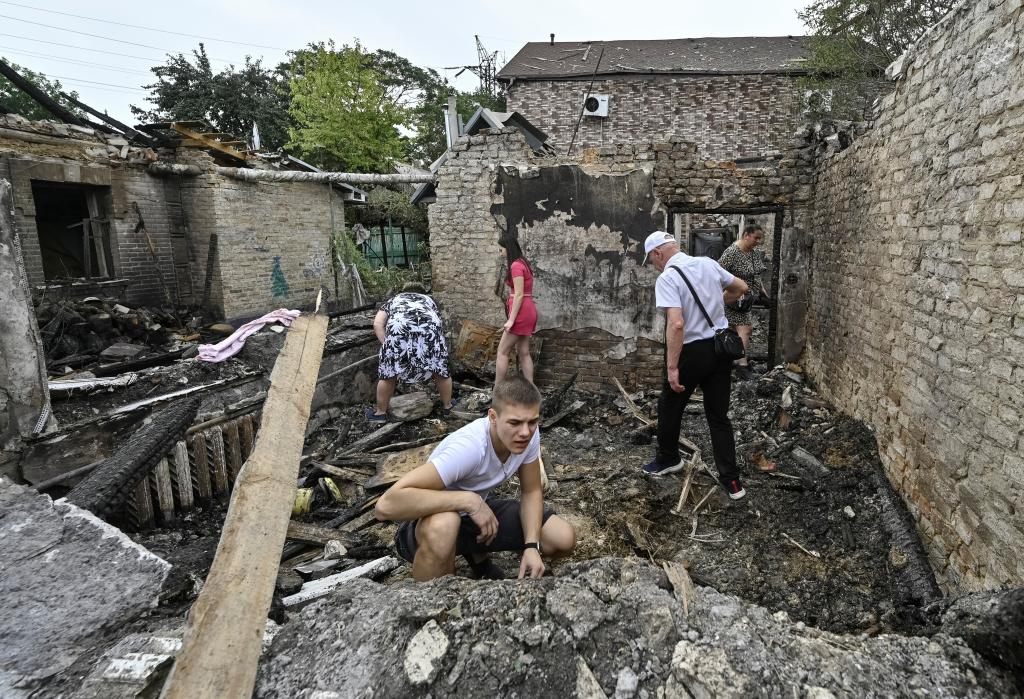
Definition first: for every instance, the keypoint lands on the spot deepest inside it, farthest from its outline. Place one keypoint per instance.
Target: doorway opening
(73, 231)
(708, 232)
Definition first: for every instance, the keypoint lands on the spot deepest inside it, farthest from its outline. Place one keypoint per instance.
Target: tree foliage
(342, 113)
(853, 43)
(429, 142)
(14, 99)
(231, 100)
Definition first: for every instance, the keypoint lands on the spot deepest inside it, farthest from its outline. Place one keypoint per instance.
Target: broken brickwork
(726, 116)
(581, 222)
(916, 320)
(273, 239)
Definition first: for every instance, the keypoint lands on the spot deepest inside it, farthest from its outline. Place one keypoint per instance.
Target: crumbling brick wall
(273, 242)
(726, 116)
(124, 184)
(917, 316)
(581, 222)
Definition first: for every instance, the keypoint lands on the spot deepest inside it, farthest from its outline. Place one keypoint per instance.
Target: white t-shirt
(709, 279)
(466, 460)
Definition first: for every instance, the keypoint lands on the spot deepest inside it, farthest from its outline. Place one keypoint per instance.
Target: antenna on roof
(552, 38)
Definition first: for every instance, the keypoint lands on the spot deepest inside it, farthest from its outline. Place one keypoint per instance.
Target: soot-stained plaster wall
(583, 234)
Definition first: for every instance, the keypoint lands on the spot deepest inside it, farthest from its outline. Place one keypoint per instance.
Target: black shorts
(509, 536)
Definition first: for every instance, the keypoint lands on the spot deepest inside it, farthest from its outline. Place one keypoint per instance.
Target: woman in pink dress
(522, 314)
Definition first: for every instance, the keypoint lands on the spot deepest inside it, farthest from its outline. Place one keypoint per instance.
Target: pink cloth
(231, 345)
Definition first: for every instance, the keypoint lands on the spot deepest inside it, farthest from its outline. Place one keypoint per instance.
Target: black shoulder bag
(727, 343)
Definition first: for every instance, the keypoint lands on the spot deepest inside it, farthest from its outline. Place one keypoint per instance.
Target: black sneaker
(734, 488)
(656, 469)
(484, 569)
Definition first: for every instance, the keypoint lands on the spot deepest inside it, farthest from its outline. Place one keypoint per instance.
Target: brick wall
(273, 242)
(917, 316)
(726, 116)
(121, 185)
(581, 222)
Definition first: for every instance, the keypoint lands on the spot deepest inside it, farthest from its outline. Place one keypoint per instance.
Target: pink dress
(526, 319)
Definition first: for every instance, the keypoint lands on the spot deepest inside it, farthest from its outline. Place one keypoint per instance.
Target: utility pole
(485, 69)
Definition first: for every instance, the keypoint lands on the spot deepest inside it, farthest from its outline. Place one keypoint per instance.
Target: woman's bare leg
(505, 345)
(745, 331)
(385, 389)
(525, 360)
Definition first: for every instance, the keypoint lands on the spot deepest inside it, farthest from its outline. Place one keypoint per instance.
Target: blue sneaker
(447, 412)
(372, 416)
(656, 469)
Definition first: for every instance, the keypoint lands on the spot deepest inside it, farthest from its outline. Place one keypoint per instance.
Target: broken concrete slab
(65, 578)
(594, 625)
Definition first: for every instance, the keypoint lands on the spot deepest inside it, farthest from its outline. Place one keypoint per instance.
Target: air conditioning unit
(595, 105)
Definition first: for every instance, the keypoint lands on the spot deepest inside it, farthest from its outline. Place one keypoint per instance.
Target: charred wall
(581, 223)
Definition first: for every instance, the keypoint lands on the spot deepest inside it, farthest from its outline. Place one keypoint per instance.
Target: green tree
(343, 115)
(853, 43)
(13, 99)
(230, 100)
(429, 141)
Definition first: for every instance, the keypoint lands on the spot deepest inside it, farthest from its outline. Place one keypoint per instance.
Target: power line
(137, 26)
(89, 64)
(83, 48)
(98, 36)
(93, 82)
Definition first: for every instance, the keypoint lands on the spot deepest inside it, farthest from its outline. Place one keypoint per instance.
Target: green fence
(393, 247)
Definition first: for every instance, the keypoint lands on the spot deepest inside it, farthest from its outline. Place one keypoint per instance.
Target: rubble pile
(100, 330)
(607, 627)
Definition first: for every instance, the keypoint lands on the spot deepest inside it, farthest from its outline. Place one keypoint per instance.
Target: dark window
(72, 230)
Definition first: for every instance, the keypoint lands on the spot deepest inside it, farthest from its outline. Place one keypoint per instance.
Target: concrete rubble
(614, 619)
(66, 579)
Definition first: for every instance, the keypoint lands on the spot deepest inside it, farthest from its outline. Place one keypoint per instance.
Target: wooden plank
(200, 467)
(215, 455)
(160, 478)
(348, 474)
(221, 646)
(397, 465)
(377, 435)
(312, 534)
(232, 449)
(186, 129)
(319, 588)
(245, 435)
(141, 506)
(181, 475)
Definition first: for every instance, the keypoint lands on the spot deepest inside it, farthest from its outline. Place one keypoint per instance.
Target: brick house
(735, 97)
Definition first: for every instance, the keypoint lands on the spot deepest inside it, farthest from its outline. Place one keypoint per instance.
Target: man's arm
(531, 514)
(421, 492)
(675, 326)
(736, 288)
(380, 322)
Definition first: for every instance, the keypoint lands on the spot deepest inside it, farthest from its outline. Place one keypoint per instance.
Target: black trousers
(699, 366)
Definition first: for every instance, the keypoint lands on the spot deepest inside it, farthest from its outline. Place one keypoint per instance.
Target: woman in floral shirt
(413, 348)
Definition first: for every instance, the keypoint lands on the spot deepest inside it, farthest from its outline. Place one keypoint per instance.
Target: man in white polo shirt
(690, 358)
(444, 505)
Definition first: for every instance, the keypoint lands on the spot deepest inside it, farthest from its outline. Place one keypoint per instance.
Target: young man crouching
(443, 504)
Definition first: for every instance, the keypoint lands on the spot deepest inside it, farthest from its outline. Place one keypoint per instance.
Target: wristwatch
(532, 545)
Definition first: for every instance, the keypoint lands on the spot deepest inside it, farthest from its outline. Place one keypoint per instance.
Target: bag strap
(695, 297)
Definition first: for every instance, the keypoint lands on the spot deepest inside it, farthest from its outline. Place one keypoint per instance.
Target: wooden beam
(53, 107)
(123, 128)
(221, 646)
(254, 175)
(186, 130)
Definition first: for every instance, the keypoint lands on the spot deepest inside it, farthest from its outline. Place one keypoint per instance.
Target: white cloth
(708, 279)
(466, 459)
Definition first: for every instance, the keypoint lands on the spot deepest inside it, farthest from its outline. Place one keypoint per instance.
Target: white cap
(655, 240)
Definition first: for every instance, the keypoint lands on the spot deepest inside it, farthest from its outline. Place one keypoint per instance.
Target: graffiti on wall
(316, 265)
(278, 284)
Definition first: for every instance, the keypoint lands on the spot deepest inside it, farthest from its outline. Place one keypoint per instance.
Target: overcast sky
(106, 62)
